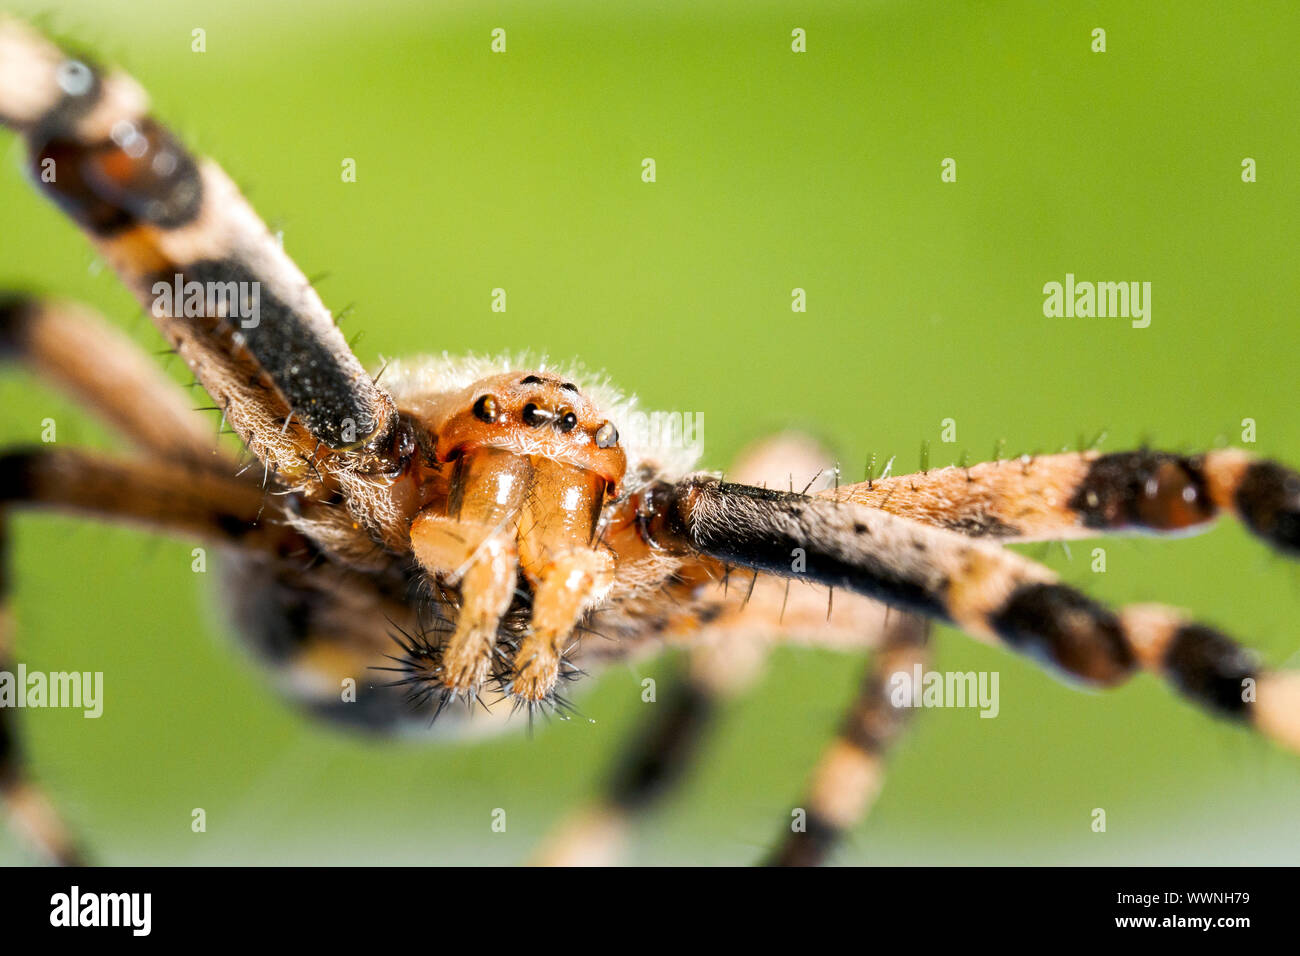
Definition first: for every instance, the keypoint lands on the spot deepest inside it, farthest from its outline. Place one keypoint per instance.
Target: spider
(456, 531)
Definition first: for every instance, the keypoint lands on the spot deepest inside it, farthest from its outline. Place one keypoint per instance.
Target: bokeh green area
(775, 170)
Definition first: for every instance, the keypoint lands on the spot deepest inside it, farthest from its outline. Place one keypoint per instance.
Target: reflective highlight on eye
(606, 435)
(536, 416)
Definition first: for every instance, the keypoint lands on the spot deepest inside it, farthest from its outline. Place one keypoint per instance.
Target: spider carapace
(532, 463)
(450, 527)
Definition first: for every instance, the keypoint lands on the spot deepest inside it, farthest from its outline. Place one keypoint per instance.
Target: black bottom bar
(927, 906)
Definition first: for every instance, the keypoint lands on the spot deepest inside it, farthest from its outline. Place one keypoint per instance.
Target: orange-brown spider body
(532, 464)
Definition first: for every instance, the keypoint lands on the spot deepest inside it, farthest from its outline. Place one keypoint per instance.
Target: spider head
(533, 414)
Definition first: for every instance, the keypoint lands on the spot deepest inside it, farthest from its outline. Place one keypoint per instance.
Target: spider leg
(185, 499)
(653, 763)
(27, 807)
(991, 593)
(725, 658)
(848, 778)
(1083, 495)
(73, 348)
(177, 498)
(218, 284)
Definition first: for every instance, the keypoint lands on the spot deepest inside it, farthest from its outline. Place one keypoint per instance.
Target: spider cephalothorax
(527, 414)
(527, 464)
(489, 512)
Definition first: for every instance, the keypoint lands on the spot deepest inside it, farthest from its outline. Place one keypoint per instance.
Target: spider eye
(535, 416)
(485, 409)
(568, 421)
(606, 435)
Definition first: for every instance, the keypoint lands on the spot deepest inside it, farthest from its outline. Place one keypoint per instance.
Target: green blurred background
(775, 170)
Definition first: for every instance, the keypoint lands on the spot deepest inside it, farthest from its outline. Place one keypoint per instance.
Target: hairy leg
(849, 775)
(987, 591)
(27, 807)
(255, 333)
(1083, 495)
(177, 498)
(724, 660)
(647, 769)
(183, 499)
(71, 347)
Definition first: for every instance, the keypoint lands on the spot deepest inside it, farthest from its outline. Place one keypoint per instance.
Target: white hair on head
(424, 377)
